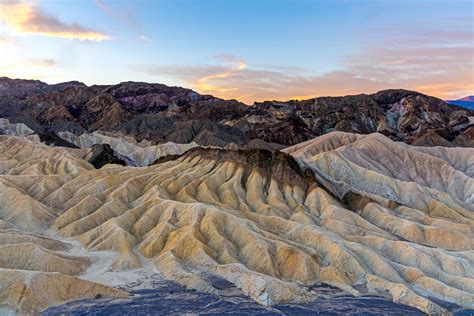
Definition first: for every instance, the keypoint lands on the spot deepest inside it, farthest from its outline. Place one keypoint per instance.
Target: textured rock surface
(102, 155)
(399, 114)
(361, 213)
(21, 156)
(172, 114)
(30, 291)
(133, 153)
(19, 129)
(165, 297)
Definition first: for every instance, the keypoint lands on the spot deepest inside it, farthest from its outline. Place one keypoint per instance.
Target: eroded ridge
(260, 220)
(135, 154)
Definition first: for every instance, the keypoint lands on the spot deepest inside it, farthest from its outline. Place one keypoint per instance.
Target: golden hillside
(362, 213)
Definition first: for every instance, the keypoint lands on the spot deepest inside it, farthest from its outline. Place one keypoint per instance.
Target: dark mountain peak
(382, 97)
(161, 113)
(393, 95)
(21, 81)
(22, 88)
(134, 88)
(66, 85)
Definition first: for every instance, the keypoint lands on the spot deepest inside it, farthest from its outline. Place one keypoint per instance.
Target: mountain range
(466, 102)
(161, 114)
(106, 191)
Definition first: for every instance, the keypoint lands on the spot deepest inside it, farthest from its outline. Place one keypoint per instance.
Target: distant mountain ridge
(466, 102)
(161, 114)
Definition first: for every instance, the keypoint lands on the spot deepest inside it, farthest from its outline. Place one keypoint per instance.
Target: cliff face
(160, 113)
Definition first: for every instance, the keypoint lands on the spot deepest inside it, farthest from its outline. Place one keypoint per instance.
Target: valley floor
(166, 297)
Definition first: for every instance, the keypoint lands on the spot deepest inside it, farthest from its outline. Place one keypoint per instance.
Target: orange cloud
(250, 84)
(25, 18)
(203, 83)
(441, 65)
(447, 91)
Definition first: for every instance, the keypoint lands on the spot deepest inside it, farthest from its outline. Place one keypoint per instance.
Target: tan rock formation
(140, 154)
(30, 292)
(361, 213)
(21, 156)
(15, 129)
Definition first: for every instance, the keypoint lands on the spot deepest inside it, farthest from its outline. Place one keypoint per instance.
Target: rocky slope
(399, 114)
(19, 129)
(37, 158)
(358, 212)
(161, 114)
(130, 152)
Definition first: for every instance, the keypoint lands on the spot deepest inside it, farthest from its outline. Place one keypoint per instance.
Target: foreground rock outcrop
(358, 212)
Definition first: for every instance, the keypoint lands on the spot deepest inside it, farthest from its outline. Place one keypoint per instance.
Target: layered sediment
(361, 213)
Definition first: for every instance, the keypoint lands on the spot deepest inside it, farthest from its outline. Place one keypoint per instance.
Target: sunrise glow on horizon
(245, 50)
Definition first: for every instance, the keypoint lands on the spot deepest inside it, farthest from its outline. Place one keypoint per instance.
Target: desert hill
(359, 212)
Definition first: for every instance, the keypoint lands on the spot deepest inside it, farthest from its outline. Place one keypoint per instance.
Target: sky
(250, 50)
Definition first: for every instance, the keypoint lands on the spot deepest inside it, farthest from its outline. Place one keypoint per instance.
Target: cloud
(438, 63)
(250, 84)
(144, 38)
(124, 16)
(433, 67)
(205, 83)
(26, 18)
(39, 62)
(9, 41)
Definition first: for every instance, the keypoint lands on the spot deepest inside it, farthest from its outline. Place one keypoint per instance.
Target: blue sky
(249, 50)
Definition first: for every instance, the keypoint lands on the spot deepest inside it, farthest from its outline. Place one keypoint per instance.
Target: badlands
(361, 213)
